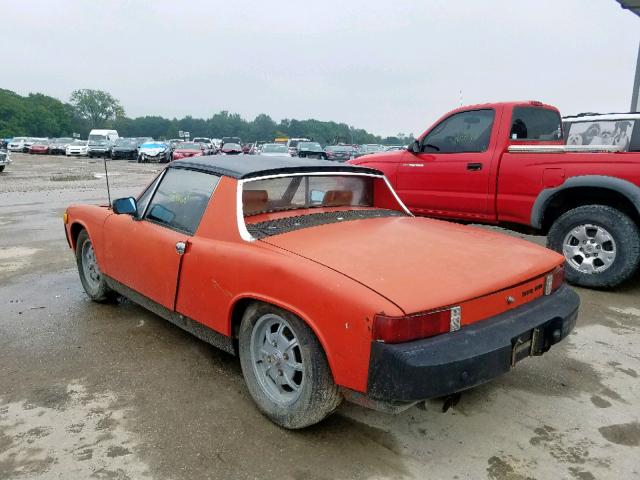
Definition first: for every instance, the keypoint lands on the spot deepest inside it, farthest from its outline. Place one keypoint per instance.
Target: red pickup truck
(506, 164)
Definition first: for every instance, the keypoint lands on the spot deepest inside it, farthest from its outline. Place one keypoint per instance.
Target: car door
(451, 175)
(144, 252)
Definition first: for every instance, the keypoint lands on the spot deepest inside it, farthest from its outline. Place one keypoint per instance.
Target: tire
(317, 396)
(623, 245)
(95, 287)
(2, 168)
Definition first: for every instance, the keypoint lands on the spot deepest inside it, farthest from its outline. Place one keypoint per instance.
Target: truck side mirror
(414, 147)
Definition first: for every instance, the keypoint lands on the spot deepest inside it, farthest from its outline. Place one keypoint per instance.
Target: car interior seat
(254, 201)
(337, 198)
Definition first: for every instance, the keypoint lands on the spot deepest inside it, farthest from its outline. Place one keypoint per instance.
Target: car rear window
(306, 191)
(535, 123)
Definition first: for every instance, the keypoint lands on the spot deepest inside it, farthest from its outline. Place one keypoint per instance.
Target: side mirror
(125, 206)
(414, 147)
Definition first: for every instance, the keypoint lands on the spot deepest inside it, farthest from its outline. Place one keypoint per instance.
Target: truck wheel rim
(277, 359)
(90, 266)
(589, 249)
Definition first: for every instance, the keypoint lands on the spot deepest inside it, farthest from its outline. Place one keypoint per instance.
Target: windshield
(152, 145)
(79, 142)
(125, 142)
(306, 191)
(274, 148)
(231, 146)
(97, 142)
(95, 138)
(309, 146)
(188, 146)
(63, 140)
(340, 148)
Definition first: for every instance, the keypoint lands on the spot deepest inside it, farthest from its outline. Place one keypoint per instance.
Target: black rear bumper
(452, 362)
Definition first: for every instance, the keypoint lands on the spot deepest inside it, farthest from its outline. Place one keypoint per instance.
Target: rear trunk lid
(421, 264)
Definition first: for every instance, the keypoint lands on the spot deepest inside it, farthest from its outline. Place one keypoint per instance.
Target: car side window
(535, 123)
(463, 132)
(181, 199)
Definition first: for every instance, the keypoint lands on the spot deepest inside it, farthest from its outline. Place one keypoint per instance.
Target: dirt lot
(114, 392)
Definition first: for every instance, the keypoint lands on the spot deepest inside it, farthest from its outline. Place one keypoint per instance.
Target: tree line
(40, 115)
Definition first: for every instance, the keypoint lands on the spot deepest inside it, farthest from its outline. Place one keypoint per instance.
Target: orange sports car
(321, 281)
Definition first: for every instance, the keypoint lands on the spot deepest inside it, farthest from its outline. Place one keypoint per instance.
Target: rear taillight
(554, 280)
(412, 327)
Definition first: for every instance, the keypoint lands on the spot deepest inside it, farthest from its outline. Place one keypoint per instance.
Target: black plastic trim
(194, 327)
(624, 187)
(452, 362)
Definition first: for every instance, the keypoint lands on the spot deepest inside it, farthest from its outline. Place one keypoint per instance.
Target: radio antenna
(106, 176)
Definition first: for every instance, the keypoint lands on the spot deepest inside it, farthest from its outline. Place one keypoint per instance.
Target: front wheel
(2, 168)
(601, 245)
(91, 277)
(285, 367)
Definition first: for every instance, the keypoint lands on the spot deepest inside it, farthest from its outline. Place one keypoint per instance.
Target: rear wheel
(91, 277)
(2, 168)
(601, 245)
(285, 367)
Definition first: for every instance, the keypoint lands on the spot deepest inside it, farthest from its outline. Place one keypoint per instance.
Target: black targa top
(251, 166)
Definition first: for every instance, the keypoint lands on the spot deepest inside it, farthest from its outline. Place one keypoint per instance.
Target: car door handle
(181, 247)
(474, 166)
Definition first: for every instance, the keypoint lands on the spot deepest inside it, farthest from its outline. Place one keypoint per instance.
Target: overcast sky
(387, 66)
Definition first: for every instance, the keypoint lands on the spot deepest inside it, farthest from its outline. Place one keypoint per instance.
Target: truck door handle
(474, 166)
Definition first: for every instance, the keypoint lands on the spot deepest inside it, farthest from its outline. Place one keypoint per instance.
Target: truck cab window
(535, 123)
(462, 132)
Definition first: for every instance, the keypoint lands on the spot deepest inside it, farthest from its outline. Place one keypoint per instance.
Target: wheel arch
(74, 230)
(615, 192)
(242, 302)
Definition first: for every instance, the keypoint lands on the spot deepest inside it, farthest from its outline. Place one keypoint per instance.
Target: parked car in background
(39, 147)
(231, 148)
(619, 129)
(17, 144)
(98, 134)
(310, 150)
(188, 149)
(58, 146)
(410, 309)
(154, 152)
(340, 153)
(99, 148)
(230, 140)
(507, 164)
(368, 149)
(292, 145)
(78, 148)
(274, 150)
(393, 148)
(124, 148)
(5, 158)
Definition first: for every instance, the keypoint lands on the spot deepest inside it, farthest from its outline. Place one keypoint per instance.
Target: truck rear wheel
(601, 245)
(285, 367)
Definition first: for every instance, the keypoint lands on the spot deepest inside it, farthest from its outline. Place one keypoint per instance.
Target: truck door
(451, 175)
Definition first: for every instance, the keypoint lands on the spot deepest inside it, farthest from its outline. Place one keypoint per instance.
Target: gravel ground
(114, 392)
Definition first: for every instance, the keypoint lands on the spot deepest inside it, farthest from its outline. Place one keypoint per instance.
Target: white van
(108, 135)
